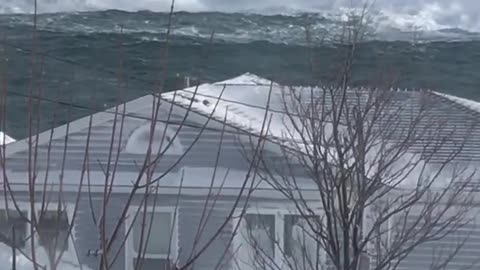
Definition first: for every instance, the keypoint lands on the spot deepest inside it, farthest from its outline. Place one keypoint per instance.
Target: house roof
(241, 106)
(451, 118)
(5, 139)
(63, 148)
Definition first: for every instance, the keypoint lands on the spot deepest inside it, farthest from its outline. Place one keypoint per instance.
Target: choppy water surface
(80, 55)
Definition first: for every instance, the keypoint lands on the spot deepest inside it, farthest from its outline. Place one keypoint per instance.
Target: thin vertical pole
(14, 251)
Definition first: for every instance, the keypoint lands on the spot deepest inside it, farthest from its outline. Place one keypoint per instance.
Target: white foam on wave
(387, 15)
(431, 17)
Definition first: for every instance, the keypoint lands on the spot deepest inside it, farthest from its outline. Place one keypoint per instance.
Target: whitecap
(391, 22)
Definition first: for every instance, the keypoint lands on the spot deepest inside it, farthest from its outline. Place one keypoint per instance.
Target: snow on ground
(67, 262)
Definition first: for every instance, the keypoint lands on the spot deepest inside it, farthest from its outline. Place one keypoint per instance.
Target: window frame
(284, 225)
(26, 207)
(279, 215)
(130, 253)
(69, 211)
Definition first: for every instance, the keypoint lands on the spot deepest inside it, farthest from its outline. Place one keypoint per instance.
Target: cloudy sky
(452, 13)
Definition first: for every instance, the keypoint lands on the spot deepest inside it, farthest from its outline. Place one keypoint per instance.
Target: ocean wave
(430, 14)
(243, 27)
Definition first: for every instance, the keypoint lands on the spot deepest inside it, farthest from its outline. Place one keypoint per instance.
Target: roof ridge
(469, 105)
(245, 79)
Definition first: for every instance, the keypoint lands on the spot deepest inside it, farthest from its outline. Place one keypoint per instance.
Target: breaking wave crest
(239, 22)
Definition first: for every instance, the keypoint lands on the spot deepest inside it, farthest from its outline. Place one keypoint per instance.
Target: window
(270, 238)
(52, 239)
(261, 233)
(13, 223)
(151, 239)
(300, 243)
(52, 230)
(51, 225)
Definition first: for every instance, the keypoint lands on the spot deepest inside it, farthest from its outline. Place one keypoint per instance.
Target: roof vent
(206, 102)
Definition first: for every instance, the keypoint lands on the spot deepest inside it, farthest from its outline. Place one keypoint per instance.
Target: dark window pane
(299, 240)
(160, 231)
(12, 219)
(261, 230)
(290, 220)
(53, 230)
(152, 264)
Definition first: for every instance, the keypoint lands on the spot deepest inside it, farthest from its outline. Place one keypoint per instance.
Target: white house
(79, 162)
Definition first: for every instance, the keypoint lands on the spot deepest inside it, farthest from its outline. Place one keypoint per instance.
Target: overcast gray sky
(452, 13)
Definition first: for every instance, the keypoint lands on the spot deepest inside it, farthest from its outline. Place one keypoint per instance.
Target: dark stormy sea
(100, 58)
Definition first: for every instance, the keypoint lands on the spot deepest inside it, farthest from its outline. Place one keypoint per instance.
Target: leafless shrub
(372, 177)
(44, 202)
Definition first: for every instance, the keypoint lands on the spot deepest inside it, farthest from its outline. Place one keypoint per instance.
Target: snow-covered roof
(470, 104)
(201, 143)
(242, 102)
(245, 79)
(5, 139)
